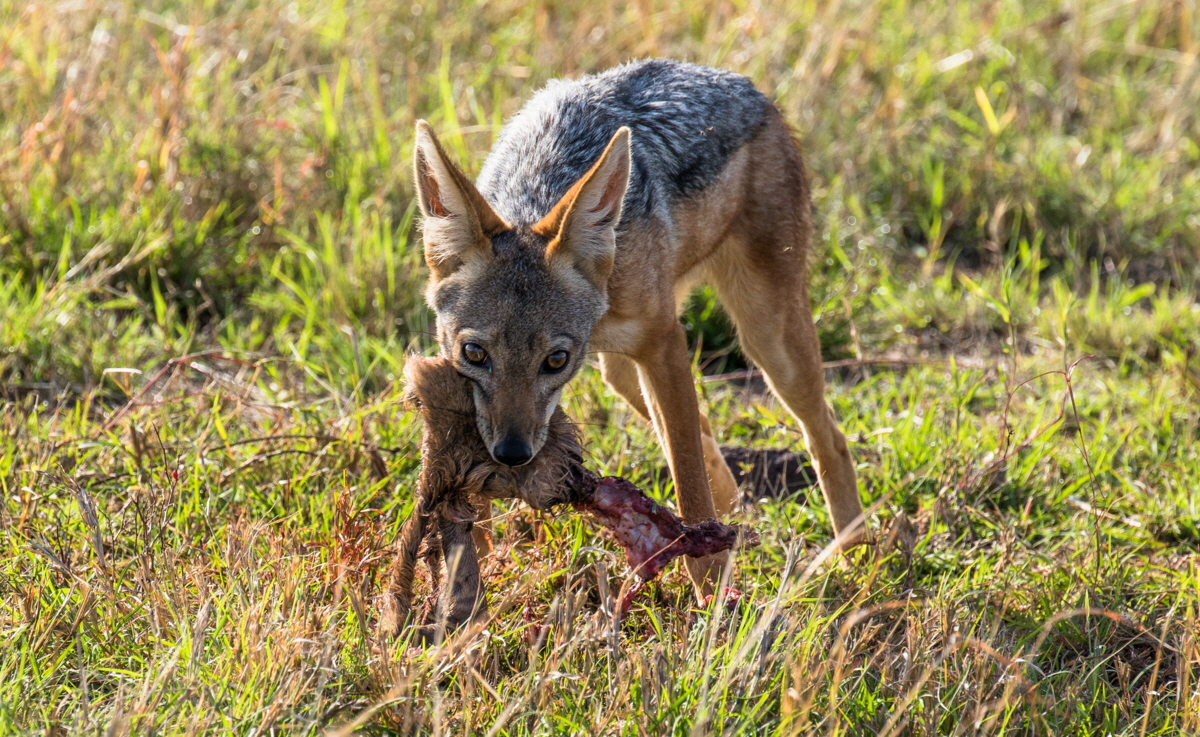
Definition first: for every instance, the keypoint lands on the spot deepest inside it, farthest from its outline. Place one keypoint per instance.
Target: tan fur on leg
(620, 373)
(666, 380)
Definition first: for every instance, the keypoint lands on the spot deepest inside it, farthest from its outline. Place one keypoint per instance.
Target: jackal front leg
(666, 377)
(622, 375)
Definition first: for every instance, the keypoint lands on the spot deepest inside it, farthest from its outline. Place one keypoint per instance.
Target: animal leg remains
(458, 473)
(651, 535)
(396, 603)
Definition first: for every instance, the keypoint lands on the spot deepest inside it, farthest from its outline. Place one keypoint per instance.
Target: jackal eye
(556, 361)
(475, 355)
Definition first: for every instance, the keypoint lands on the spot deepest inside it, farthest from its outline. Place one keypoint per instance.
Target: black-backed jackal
(603, 203)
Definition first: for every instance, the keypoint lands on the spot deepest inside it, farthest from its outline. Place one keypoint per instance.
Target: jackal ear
(582, 226)
(457, 222)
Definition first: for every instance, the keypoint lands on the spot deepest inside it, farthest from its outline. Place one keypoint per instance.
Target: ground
(210, 276)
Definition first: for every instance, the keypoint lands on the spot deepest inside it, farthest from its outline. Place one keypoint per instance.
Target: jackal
(603, 203)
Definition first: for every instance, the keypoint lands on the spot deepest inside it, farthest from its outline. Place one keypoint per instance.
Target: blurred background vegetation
(179, 176)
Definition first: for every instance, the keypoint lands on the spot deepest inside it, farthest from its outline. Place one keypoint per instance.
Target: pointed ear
(457, 221)
(582, 226)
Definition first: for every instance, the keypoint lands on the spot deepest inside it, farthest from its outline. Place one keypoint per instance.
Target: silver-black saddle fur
(686, 121)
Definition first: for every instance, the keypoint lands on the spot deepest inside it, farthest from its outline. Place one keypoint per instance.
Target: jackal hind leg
(762, 286)
(664, 374)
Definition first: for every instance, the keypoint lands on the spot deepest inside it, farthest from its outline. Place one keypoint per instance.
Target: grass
(209, 278)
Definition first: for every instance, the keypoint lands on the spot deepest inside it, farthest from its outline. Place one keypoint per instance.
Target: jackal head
(517, 302)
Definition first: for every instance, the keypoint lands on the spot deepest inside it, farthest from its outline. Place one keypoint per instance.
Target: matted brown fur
(458, 478)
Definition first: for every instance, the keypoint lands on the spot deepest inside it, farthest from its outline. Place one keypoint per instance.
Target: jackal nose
(513, 451)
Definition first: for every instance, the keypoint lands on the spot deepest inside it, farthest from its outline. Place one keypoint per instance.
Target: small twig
(1150, 692)
(1084, 506)
(274, 439)
(170, 365)
(267, 456)
(969, 363)
(1087, 459)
